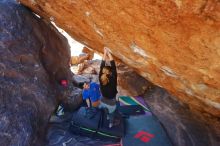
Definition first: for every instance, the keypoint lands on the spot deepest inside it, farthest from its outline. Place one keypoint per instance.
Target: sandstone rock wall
(172, 43)
(32, 54)
(184, 127)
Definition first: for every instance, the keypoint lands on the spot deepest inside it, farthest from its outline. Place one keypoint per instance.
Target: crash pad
(143, 129)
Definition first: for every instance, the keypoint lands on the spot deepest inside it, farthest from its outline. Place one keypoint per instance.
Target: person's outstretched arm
(88, 102)
(114, 72)
(85, 96)
(103, 62)
(112, 62)
(109, 55)
(113, 68)
(105, 54)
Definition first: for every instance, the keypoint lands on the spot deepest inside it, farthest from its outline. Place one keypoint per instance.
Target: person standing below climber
(91, 93)
(108, 85)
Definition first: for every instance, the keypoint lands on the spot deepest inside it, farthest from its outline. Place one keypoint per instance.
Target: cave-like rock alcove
(166, 51)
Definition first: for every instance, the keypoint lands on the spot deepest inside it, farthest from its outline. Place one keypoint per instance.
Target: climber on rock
(91, 93)
(108, 85)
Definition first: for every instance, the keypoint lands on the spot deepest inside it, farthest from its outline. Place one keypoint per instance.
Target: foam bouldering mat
(134, 101)
(128, 100)
(117, 130)
(130, 110)
(92, 122)
(144, 131)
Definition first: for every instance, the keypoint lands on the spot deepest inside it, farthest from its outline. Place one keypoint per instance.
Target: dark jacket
(110, 89)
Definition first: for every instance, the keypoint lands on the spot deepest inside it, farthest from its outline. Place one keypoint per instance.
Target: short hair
(86, 82)
(80, 85)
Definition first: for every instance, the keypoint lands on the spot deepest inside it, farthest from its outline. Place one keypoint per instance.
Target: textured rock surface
(174, 43)
(130, 83)
(32, 55)
(184, 127)
(72, 98)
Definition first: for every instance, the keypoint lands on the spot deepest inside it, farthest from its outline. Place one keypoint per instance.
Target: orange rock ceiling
(174, 44)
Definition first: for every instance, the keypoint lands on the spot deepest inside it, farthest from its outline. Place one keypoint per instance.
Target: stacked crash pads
(93, 122)
(138, 127)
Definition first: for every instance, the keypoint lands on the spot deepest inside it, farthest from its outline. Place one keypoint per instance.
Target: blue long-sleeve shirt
(93, 93)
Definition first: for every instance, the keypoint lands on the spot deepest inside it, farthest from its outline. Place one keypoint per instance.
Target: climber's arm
(88, 102)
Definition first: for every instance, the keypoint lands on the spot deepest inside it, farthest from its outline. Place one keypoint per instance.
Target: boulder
(184, 127)
(34, 56)
(72, 98)
(173, 43)
(130, 83)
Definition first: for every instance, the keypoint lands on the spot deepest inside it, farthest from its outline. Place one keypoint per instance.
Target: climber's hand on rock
(105, 49)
